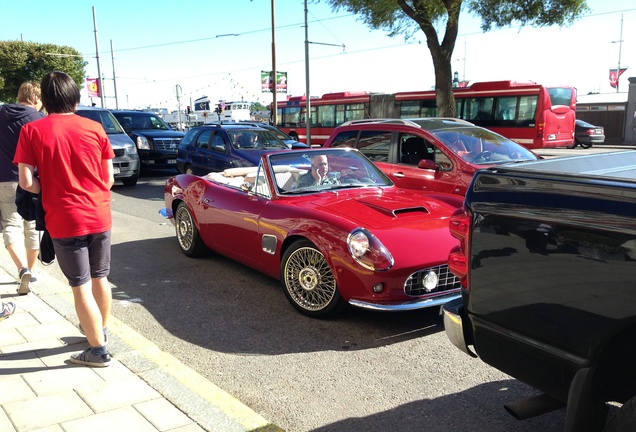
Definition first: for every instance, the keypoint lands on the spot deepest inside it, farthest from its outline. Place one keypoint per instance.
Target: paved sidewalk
(142, 390)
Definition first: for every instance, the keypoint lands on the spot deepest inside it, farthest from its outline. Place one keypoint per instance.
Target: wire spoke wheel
(308, 280)
(187, 233)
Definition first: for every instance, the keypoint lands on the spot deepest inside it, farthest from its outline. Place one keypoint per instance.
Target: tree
(407, 16)
(25, 61)
(257, 106)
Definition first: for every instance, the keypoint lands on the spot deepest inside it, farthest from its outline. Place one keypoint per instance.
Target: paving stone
(46, 410)
(113, 395)
(162, 414)
(119, 420)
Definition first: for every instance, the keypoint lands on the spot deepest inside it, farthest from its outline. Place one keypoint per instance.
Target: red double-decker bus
(530, 114)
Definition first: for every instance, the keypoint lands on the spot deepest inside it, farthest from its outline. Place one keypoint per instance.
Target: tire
(188, 237)
(625, 419)
(188, 169)
(130, 181)
(586, 146)
(308, 282)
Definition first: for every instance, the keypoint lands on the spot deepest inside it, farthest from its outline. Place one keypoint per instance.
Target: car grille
(414, 285)
(167, 144)
(120, 152)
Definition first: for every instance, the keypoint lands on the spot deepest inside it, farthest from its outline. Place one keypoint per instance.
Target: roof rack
(382, 120)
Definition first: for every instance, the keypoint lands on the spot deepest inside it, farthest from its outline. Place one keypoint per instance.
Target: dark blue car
(215, 147)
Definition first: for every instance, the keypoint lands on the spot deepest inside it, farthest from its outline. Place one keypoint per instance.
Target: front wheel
(308, 282)
(130, 181)
(188, 236)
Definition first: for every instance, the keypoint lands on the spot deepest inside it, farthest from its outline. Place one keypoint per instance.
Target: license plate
(116, 170)
(171, 161)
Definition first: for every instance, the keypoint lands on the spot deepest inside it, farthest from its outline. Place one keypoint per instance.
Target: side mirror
(427, 164)
(246, 186)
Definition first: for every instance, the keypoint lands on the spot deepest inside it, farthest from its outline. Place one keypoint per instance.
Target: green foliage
(257, 106)
(501, 13)
(25, 61)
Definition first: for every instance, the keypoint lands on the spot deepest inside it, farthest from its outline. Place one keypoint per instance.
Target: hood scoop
(394, 208)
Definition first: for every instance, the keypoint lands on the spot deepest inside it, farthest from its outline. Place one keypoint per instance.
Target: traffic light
(188, 110)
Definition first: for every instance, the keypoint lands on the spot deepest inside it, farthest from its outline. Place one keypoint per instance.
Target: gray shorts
(83, 258)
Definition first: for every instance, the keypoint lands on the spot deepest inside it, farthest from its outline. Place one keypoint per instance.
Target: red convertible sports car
(327, 223)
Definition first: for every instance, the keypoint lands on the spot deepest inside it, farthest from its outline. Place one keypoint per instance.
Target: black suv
(156, 141)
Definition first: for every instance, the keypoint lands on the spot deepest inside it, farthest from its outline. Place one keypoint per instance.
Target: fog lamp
(378, 288)
(430, 281)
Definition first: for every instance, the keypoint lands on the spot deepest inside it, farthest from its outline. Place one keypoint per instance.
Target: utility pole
(99, 68)
(112, 54)
(179, 91)
(620, 46)
(307, 94)
(274, 86)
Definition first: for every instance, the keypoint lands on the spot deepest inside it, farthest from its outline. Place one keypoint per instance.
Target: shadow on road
(221, 305)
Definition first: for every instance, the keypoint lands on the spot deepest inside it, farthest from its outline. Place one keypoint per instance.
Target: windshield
(255, 139)
(483, 147)
(141, 120)
(300, 172)
(105, 118)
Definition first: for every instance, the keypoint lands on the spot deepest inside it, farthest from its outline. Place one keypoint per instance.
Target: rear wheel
(188, 236)
(308, 282)
(586, 145)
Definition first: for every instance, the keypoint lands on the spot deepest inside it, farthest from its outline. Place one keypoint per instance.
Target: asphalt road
(363, 370)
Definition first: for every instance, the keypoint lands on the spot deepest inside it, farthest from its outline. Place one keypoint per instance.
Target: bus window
(560, 96)
(291, 116)
(478, 110)
(326, 115)
(410, 109)
(527, 110)
(418, 109)
(505, 110)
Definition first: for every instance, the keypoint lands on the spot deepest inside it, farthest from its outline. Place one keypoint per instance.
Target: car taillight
(459, 226)
(589, 132)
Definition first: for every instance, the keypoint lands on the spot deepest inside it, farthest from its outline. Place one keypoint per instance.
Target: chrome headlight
(368, 251)
(142, 143)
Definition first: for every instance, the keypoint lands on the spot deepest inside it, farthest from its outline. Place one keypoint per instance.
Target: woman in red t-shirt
(73, 159)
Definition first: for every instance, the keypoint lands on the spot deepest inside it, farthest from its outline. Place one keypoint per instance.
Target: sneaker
(105, 333)
(87, 358)
(25, 279)
(7, 310)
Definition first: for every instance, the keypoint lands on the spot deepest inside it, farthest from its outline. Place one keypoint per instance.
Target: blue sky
(159, 45)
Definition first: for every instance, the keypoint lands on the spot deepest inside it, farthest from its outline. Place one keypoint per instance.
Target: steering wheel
(482, 155)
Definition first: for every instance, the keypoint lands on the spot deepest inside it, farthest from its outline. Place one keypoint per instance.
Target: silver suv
(126, 162)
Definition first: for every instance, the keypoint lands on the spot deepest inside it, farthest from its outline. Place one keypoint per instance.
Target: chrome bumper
(454, 327)
(407, 305)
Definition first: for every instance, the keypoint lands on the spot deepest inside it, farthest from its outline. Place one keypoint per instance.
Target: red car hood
(375, 210)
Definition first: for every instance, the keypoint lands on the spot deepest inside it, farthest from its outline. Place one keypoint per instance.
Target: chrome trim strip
(407, 305)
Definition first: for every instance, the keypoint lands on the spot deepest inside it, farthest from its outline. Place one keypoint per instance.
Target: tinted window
(375, 145)
(345, 139)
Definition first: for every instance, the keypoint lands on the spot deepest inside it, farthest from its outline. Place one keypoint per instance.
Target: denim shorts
(83, 258)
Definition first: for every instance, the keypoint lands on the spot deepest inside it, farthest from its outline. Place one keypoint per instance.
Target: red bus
(530, 114)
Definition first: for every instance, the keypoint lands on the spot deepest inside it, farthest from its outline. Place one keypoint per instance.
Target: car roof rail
(381, 120)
